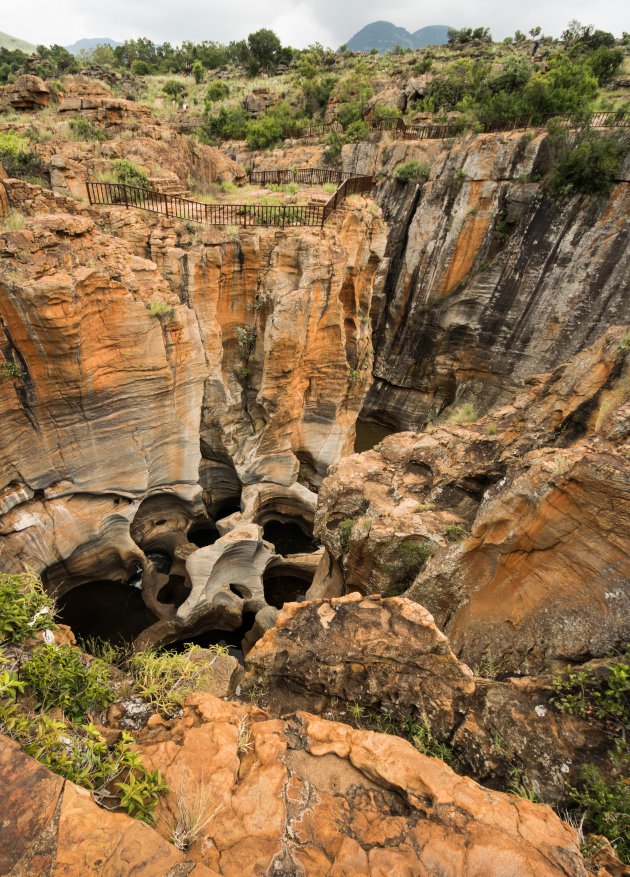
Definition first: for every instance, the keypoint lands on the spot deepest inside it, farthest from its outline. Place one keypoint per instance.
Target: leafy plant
(602, 692)
(166, 678)
(606, 803)
(588, 167)
(463, 414)
(9, 369)
(345, 529)
(402, 563)
(246, 341)
(455, 532)
(18, 159)
(420, 733)
(59, 677)
(127, 172)
(25, 607)
(83, 129)
(161, 310)
(411, 171)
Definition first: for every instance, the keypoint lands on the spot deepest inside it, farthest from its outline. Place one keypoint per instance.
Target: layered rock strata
(512, 529)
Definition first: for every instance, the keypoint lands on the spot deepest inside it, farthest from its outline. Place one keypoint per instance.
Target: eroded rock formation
(514, 527)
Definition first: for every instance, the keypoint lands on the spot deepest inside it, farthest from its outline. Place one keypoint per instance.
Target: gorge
(376, 471)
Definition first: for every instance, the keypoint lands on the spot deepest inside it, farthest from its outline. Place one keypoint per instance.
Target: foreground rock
(311, 797)
(367, 658)
(49, 826)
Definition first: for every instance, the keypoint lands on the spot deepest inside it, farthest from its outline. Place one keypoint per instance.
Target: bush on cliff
(411, 171)
(25, 607)
(18, 159)
(127, 172)
(589, 166)
(61, 678)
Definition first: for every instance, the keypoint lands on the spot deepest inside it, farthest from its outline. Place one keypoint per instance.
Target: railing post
(166, 203)
(284, 214)
(126, 196)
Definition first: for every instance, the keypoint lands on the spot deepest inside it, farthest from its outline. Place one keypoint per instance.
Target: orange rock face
(313, 797)
(523, 516)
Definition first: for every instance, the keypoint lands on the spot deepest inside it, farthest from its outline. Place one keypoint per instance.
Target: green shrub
(264, 133)
(25, 607)
(18, 159)
(60, 678)
(455, 533)
(357, 131)
(217, 90)
(463, 414)
(345, 529)
(228, 124)
(174, 89)
(9, 369)
(140, 68)
(83, 129)
(161, 310)
(198, 71)
(413, 170)
(606, 804)
(603, 692)
(402, 563)
(589, 167)
(127, 172)
(166, 678)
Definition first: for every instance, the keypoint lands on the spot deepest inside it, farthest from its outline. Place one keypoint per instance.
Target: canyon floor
(362, 492)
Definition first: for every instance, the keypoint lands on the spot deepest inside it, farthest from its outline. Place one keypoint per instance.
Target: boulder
(28, 92)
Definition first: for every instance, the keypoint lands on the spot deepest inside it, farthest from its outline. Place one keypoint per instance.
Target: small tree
(265, 49)
(174, 89)
(198, 72)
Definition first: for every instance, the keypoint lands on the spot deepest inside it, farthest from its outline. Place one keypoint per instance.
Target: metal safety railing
(279, 216)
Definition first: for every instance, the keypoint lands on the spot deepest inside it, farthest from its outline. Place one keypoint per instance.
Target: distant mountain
(384, 36)
(87, 45)
(13, 43)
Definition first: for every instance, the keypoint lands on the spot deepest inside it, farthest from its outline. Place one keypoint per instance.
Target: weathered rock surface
(28, 92)
(49, 826)
(311, 797)
(117, 423)
(386, 656)
(489, 279)
(524, 517)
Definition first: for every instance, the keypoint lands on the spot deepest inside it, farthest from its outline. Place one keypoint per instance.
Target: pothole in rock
(203, 533)
(286, 585)
(289, 537)
(368, 434)
(105, 610)
(232, 639)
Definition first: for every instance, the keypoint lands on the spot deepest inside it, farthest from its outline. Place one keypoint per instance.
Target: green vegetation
(217, 90)
(25, 607)
(402, 563)
(127, 172)
(602, 691)
(161, 310)
(9, 369)
(412, 171)
(588, 164)
(463, 414)
(19, 160)
(83, 129)
(60, 678)
(345, 529)
(165, 678)
(455, 533)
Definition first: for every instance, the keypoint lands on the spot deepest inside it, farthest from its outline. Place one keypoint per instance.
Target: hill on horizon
(385, 36)
(13, 43)
(89, 43)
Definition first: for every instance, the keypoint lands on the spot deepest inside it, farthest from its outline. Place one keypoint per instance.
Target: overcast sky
(297, 22)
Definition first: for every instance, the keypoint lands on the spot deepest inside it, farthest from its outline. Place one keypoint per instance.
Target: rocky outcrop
(490, 280)
(514, 527)
(365, 658)
(50, 826)
(28, 92)
(303, 796)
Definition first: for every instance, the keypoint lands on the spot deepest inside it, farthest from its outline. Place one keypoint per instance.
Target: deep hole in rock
(174, 592)
(368, 434)
(289, 537)
(226, 508)
(233, 639)
(106, 610)
(160, 560)
(203, 533)
(283, 585)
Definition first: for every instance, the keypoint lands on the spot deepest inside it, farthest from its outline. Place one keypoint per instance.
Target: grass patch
(412, 171)
(161, 310)
(166, 678)
(463, 414)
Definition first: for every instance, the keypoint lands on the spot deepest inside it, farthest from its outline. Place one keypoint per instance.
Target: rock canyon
(377, 472)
